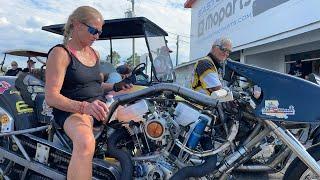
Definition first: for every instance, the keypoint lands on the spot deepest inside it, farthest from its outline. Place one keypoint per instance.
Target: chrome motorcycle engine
(159, 170)
(157, 155)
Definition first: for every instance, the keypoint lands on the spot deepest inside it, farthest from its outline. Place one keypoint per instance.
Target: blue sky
(21, 22)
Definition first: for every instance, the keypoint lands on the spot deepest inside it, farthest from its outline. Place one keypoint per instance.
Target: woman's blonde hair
(82, 14)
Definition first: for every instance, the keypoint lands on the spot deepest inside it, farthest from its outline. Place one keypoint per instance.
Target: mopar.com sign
(246, 21)
(212, 20)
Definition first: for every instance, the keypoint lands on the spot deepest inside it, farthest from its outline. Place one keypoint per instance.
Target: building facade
(272, 34)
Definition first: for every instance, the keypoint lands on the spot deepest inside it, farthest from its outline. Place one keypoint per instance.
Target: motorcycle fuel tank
(284, 97)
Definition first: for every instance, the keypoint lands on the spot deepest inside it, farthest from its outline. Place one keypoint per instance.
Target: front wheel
(297, 170)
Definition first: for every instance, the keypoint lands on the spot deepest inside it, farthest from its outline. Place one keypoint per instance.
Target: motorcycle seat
(42, 110)
(29, 86)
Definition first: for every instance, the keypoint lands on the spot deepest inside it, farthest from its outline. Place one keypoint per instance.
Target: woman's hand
(122, 85)
(97, 109)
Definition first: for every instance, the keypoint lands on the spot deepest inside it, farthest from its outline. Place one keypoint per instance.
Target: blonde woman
(74, 87)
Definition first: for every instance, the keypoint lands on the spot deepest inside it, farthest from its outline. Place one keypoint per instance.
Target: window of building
(235, 56)
(310, 61)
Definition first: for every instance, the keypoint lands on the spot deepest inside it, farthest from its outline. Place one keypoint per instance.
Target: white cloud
(29, 16)
(27, 30)
(37, 22)
(4, 21)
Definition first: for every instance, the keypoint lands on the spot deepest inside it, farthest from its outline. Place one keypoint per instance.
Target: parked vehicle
(29, 55)
(176, 133)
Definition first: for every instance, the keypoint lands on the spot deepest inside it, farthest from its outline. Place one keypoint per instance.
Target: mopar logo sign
(215, 18)
(221, 14)
(247, 21)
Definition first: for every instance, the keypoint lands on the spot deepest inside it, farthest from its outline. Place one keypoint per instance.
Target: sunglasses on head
(93, 30)
(225, 50)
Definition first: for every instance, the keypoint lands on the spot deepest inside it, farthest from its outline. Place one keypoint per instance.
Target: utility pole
(177, 54)
(133, 44)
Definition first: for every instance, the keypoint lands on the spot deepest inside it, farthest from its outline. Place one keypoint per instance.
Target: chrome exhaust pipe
(189, 94)
(254, 168)
(297, 148)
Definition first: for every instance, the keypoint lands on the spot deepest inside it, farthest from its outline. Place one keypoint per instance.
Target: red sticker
(4, 86)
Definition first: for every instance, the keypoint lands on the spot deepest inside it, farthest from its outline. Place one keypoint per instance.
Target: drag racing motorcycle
(249, 127)
(256, 124)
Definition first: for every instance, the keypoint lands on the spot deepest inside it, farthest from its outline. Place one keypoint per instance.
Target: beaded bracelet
(82, 106)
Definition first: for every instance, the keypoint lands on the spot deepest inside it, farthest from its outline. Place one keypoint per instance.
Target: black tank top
(81, 83)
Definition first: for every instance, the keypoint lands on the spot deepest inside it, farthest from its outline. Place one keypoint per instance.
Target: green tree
(129, 61)
(115, 58)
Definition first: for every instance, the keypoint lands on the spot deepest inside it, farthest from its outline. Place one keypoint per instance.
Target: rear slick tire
(297, 170)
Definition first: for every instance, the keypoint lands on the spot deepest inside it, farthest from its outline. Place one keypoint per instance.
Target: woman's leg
(79, 128)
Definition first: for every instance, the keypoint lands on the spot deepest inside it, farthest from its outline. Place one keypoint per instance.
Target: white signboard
(247, 21)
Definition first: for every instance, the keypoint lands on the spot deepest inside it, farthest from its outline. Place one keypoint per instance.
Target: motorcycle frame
(282, 156)
(297, 148)
(27, 161)
(234, 160)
